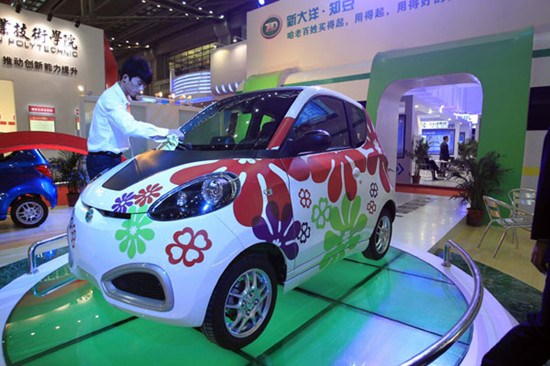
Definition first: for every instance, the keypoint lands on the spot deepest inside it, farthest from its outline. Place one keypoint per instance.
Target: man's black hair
(137, 66)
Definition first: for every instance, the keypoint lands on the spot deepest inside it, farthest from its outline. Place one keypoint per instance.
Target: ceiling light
(261, 2)
(77, 23)
(49, 17)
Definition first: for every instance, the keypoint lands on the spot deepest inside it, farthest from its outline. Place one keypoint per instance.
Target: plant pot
(474, 217)
(415, 179)
(72, 198)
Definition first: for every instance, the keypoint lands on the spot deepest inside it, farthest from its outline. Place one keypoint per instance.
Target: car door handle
(356, 172)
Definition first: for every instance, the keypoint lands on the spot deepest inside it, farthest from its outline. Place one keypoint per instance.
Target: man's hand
(537, 256)
(176, 132)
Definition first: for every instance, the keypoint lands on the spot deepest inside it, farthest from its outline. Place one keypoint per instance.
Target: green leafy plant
(477, 177)
(68, 168)
(418, 153)
(467, 149)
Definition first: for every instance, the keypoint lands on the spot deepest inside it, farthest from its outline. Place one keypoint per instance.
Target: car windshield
(243, 122)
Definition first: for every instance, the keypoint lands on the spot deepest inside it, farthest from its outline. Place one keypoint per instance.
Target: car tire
(242, 302)
(28, 212)
(380, 239)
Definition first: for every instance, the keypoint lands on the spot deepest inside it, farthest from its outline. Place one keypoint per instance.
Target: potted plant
(477, 178)
(419, 155)
(69, 169)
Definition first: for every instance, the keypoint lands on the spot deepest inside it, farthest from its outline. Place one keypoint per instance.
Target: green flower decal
(133, 235)
(348, 224)
(320, 213)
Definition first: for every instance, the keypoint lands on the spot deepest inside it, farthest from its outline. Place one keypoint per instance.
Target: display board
(434, 136)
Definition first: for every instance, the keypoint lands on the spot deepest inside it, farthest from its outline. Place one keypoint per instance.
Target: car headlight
(198, 197)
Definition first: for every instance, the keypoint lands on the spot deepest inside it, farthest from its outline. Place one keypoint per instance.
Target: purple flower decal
(122, 203)
(281, 233)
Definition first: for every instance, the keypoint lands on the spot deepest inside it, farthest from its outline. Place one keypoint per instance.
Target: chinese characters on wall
(15, 35)
(342, 13)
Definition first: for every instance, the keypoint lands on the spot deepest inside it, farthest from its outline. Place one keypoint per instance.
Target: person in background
(112, 124)
(444, 149)
(529, 343)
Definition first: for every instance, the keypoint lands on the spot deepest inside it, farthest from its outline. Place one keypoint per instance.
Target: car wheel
(29, 212)
(242, 302)
(379, 242)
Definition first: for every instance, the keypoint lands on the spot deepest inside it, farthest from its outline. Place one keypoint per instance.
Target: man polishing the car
(112, 124)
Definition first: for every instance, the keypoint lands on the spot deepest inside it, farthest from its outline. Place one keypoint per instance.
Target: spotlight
(261, 2)
(49, 17)
(18, 7)
(77, 23)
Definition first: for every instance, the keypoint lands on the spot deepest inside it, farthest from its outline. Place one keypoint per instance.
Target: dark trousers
(528, 343)
(98, 162)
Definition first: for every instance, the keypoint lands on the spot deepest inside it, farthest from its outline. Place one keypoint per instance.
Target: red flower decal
(189, 247)
(376, 160)
(146, 196)
(305, 198)
(336, 166)
(260, 175)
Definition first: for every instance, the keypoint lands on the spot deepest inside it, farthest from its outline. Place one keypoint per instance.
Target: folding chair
(502, 214)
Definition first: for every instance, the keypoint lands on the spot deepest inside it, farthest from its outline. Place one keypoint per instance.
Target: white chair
(504, 215)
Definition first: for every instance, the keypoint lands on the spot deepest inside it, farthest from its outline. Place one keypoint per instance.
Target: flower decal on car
(282, 233)
(373, 191)
(305, 198)
(305, 232)
(256, 177)
(371, 207)
(376, 160)
(336, 167)
(133, 234)
(147, 195)
(122, 203)
(321, 213)
(189, 247)
(348, 224)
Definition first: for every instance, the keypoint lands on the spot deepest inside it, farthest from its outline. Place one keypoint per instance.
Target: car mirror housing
(311, 141)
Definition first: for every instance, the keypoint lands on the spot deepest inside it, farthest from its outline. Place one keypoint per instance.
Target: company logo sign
(271, 27)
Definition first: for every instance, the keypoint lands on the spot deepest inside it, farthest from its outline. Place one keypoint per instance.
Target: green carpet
(515, 296)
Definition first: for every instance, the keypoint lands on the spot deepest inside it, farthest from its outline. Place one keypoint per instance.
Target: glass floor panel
(355, 312)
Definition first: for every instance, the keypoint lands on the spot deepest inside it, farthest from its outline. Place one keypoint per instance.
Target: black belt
(107, 153)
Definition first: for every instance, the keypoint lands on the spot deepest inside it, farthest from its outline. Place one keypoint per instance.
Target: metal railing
(31, 253)
(454, 334)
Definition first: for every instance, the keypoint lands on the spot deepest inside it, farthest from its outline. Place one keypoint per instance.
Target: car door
(326, 186)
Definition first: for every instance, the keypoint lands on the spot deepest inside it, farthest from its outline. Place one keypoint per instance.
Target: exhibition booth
(442, 79)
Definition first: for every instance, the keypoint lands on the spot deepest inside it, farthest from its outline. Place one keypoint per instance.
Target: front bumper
(153, 282)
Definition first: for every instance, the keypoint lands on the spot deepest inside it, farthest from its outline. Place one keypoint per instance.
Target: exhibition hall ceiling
(132, 25)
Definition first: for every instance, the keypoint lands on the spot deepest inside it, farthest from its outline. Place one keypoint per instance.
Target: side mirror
(311, 141)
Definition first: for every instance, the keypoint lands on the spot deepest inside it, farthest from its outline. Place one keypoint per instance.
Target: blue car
(26, 182)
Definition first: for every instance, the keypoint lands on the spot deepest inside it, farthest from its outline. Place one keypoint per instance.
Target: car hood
(148, 176)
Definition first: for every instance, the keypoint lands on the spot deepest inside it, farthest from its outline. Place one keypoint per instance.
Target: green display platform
(355, 312)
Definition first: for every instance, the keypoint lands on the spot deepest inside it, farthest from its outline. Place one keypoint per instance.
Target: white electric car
(267, 188)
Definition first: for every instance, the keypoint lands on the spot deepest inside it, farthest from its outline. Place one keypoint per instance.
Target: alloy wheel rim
(29, 213)
(247, 303)
(383, 232)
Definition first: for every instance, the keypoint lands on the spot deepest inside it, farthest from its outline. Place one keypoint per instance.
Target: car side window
(327, 114)
(358, 120)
